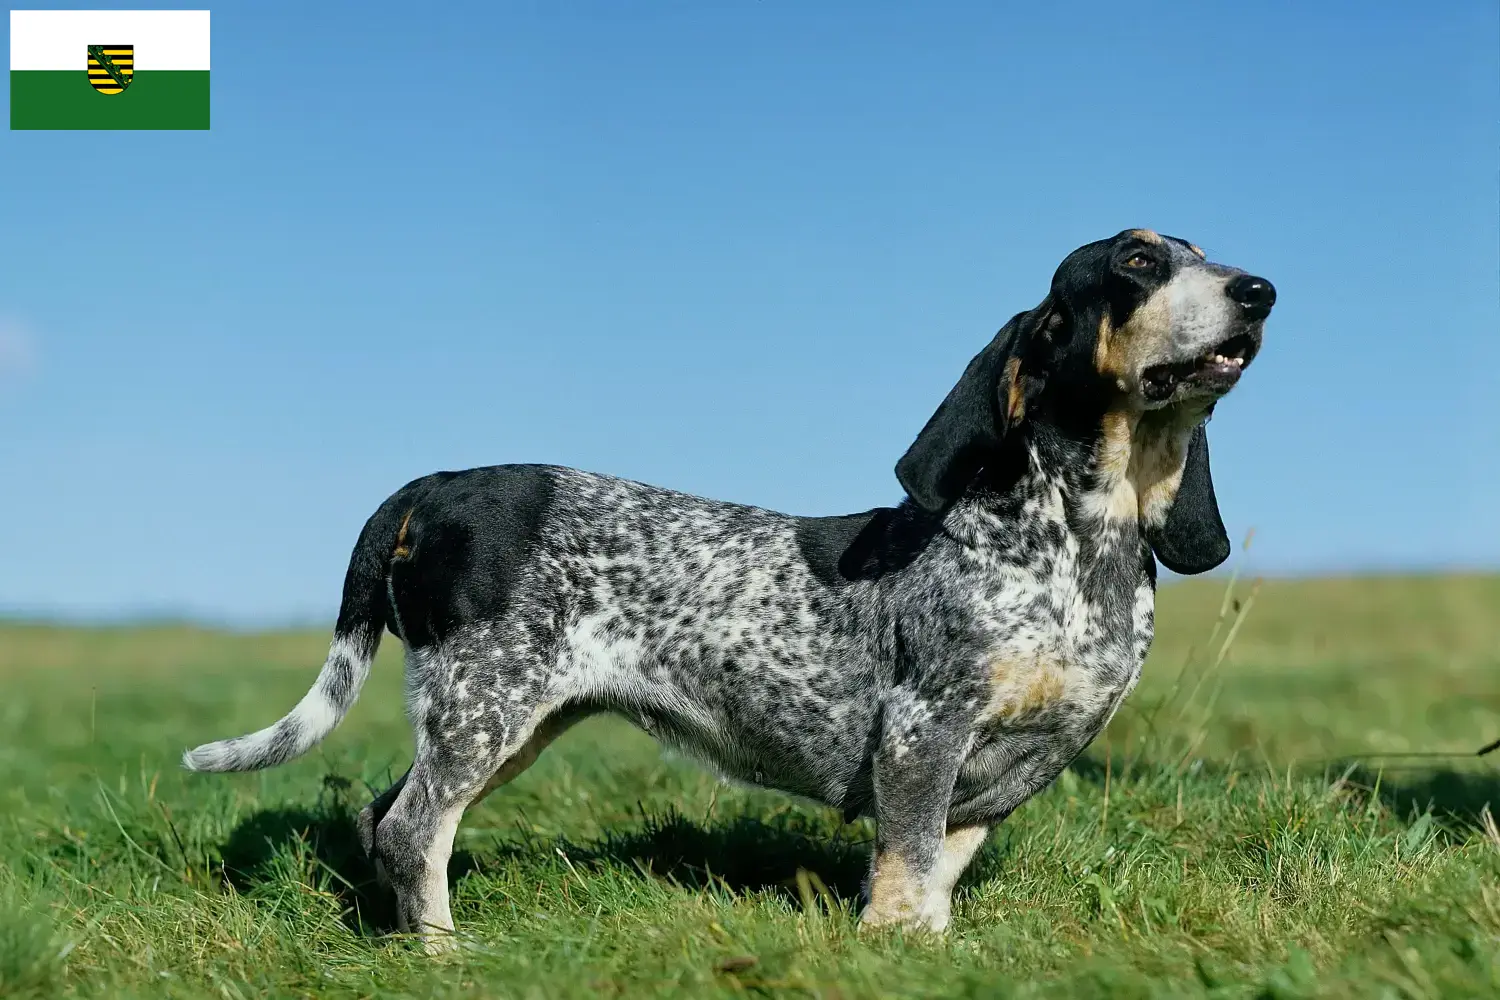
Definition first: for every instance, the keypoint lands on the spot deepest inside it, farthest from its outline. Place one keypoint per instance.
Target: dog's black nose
(1255, 295)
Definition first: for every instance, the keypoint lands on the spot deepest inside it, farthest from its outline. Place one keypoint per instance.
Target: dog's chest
(1048, 682)
(1064, 643)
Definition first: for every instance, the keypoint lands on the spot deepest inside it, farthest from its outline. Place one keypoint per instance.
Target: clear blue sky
(736, 248)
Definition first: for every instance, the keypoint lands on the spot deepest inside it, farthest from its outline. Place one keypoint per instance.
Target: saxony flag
(105, 69)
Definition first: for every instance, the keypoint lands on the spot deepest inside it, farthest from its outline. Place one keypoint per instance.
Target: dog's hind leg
(454, 767)
(412, 846)
(371, 815)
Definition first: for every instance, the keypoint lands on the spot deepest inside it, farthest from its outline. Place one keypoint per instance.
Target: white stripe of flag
(59, 39)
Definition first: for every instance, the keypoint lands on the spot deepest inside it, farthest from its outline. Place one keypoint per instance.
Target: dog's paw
(439, 944)
(929, 916)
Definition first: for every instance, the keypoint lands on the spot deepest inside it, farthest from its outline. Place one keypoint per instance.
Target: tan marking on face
(1198, 250)
(1121, 352)
(1105, 361)
(1015, 399)
(1146, 236)
(401, 551)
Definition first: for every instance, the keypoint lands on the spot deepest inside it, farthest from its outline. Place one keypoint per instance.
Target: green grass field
(1220, 840)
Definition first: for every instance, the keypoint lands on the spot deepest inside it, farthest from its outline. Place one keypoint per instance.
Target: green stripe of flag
(63, 99)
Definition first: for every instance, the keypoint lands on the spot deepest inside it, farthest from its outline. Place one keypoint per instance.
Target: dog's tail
(356, 637)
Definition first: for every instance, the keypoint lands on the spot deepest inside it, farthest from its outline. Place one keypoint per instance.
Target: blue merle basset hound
(932, 664)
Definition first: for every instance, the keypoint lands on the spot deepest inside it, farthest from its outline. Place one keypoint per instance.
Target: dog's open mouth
(1216, 371)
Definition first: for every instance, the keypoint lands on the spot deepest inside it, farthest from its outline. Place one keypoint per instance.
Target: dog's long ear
(988, 401)
(1192, 538)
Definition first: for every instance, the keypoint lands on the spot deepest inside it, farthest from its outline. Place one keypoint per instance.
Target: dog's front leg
(917, 857)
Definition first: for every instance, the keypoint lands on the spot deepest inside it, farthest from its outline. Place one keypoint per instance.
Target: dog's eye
(1138, 261)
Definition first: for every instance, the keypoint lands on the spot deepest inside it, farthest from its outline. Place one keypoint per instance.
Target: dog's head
(1137, 330)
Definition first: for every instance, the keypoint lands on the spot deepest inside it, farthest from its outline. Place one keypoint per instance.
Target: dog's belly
(821, 755)
(795, 723)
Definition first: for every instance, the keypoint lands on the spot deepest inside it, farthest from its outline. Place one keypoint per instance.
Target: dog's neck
(1135, 464)
(1115, 474)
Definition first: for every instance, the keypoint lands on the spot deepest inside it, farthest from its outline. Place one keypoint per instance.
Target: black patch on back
(469, 536)
(865, 546)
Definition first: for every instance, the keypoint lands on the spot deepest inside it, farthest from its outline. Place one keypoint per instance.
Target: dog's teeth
(1238, 362)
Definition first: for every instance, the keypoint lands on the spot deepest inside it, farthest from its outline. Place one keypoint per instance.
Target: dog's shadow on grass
(746, 854)
(303, 843)
(742, 853)
(1461, 794)
(1456, 793)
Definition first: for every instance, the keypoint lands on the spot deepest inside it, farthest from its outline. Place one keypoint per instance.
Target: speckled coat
(933, 664)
